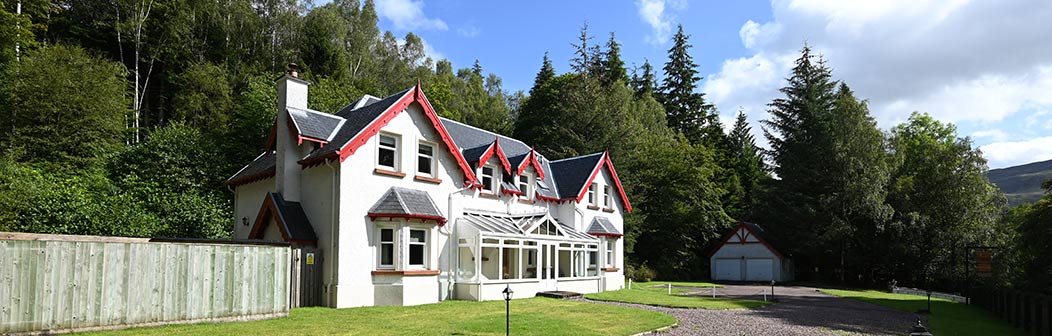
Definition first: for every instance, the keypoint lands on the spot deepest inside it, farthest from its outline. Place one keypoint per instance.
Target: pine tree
(587, 57)
(545, 75)
(643, 81)
(747, 162)
(613, 66)
(687, 110)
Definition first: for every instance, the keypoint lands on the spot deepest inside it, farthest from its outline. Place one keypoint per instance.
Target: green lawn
(536, 316)
(656, 294)
(947, 318)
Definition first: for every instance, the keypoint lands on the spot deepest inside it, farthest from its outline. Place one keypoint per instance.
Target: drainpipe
(451, 240)
(333, 233)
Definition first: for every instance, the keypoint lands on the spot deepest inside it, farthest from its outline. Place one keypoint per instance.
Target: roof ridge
(484, 130)
(576, 157)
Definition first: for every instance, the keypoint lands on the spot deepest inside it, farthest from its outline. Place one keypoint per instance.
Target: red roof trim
(320, 141)
(251, 178)
(509, 191)
(415, 96)
(607, 234)
(531, 159)
(294, 128)
(749, 232)
(605, 161)
(441, 220)
(495, 148)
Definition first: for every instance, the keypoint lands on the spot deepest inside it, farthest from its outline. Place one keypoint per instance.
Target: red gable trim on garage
(749, 232)
(416, 95)
(605, 162)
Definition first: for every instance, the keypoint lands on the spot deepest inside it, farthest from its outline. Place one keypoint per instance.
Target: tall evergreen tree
(643, 81)
(686, 109)
(546, 74)
(747, 163)
(613, 68)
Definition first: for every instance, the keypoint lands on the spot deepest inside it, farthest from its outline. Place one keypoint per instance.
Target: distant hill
(1022, 184)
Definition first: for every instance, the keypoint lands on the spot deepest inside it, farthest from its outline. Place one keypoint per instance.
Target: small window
(387, 153)
(606, 196)
(425, 159)
(610, 244)
(387, 248)
(591, 194)
(488, 179)
(524, 185)
(547, 228)
(417, 248)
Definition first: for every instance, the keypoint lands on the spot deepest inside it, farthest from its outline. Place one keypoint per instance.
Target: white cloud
(656, 14)
(978, 64)
(1005, 154)
(408, 15)
(993, 134)
(468, 31)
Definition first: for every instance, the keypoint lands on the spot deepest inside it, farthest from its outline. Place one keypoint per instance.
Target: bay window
(417, 248)
(387, 248)
(402, 246)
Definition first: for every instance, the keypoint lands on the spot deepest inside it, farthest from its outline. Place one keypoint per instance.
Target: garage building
(747, 255)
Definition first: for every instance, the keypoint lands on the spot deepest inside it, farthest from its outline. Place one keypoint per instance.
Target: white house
(747, 255)
(409, 208)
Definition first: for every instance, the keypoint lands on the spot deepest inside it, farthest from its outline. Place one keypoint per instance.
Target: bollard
(764, 295)
(713, 292)
(629, 283)
(669, 289)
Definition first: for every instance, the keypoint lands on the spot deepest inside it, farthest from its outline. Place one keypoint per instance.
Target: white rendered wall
(604, 178)
(360, 188)
(248, 198)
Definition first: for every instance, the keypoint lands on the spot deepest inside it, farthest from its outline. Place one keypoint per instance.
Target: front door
(546, 265)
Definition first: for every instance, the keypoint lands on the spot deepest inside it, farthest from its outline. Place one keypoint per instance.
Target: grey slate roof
(515, 225)
(602, 226)
(357, 120)
(314, 124)
(472, 155)
(296, 223)
(466, 137)
(261, 165)
(405, 201)
(509, 186)
(573, 173)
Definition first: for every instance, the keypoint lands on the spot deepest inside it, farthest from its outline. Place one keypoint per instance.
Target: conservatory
(529, 253)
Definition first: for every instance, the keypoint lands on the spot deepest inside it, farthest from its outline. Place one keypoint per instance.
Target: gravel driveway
(801, 311)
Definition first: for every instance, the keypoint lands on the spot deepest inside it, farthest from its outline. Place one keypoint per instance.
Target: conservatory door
(546, 265)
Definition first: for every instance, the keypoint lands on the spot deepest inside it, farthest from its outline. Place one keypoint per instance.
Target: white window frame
(610, 257)
(380, 246)
(606, 196)
(430, 158)
(591, 194)
(494, 178)
(426, 247)
(397, 151)
(527, 187)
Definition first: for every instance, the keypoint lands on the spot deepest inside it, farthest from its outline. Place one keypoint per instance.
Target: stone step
(559, 294)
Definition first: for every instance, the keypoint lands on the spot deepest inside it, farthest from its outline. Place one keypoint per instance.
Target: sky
(985, 66)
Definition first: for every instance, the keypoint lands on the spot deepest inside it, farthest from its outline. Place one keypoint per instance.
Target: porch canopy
(498, 248)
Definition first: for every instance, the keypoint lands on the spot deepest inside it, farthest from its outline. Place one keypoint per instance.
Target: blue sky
(984, 65)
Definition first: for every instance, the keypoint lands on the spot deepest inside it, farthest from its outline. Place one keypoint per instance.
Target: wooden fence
(1028, 311)
(52, 283)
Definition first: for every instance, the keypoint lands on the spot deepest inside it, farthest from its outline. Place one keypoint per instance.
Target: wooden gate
(306, 277)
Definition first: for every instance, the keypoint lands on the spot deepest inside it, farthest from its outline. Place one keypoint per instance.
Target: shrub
(641, 273)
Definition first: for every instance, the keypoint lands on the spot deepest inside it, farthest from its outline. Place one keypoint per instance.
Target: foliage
(535, 316)
(947, 318)
(62, 105)
(746, 160)
(640, 273)
(1028, 259)
(687, 110)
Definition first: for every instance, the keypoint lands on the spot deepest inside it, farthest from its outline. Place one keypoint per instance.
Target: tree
(643, 81)
(941, 198)
(613, 68)
(587, 57)
(323, 49)
(546, 74)
(687, 110)
(62, 105)
(203, 99)
(747, 162)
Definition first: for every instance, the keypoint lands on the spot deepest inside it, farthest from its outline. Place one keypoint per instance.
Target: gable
(746, 234)
(288, 217)
(381, 113)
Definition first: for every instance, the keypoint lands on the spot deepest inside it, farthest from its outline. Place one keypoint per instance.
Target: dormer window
(591, 194)
(387, 152)
(525, 185)
(488, 178)
(425, 159)
(606, 196)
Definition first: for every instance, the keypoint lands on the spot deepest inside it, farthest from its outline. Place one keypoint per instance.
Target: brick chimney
(292, 92)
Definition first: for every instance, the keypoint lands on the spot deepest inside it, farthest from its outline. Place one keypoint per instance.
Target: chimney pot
(294, 70)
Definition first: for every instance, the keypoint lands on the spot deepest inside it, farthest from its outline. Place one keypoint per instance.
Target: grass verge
(656, 294)
(536, 316)
(947, 318)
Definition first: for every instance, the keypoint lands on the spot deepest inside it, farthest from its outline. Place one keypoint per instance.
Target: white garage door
(758, 269)
(728, 269)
